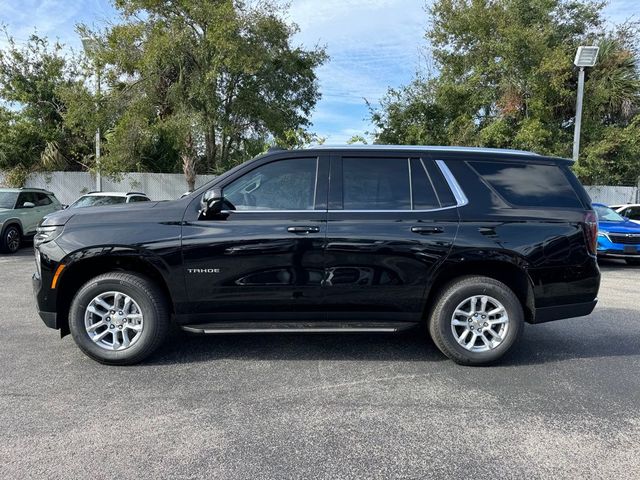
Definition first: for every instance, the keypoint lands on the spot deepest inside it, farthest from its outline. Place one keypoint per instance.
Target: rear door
(392, 220)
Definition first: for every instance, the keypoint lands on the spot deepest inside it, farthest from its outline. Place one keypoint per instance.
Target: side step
(289, 327)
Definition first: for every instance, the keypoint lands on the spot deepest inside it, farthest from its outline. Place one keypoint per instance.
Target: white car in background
(629, 210)
(100, 199)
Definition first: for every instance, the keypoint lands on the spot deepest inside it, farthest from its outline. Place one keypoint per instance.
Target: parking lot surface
(565, 404)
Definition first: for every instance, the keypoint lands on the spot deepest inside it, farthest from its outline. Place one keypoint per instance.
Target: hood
(619, 227)
(90, 214)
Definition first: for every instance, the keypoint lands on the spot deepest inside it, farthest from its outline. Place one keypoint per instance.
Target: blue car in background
(618, 237)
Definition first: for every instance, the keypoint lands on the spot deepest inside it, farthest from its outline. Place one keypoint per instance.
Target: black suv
(472, 243)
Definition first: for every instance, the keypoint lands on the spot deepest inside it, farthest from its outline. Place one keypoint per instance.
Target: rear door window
(376, 184)
(528, 185)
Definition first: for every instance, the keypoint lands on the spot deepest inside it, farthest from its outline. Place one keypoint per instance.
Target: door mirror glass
(28, 205)
(211, 202)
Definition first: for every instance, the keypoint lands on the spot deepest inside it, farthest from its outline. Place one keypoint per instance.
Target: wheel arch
(84, 266)
(13, 221)
(510, 273)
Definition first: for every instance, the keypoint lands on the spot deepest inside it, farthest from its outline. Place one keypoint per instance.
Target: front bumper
(606, 248)
(50, 319)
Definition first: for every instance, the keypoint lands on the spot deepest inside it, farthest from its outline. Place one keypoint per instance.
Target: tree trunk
(189, 161)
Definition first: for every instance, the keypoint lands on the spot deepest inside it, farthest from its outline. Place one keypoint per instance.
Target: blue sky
(373, 44)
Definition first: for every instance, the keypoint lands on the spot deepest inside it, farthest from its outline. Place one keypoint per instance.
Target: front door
(261, 259)
(391, 222)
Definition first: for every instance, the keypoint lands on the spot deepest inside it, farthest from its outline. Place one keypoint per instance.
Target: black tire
(451, 296)
(633, 261)
(153, 307)
(10, 234)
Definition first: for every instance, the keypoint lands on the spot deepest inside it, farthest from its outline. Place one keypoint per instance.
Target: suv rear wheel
(476, 320)
(11, 239)
(119, 318)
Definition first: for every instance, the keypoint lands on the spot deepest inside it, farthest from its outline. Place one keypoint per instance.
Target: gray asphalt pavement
(565, 404)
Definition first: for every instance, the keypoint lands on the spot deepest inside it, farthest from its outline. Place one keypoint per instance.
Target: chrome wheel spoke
(103, 304)
(135, 327)
(495, 335)
(498, 321)
(97, 325)
(97, 338)
(459, 323)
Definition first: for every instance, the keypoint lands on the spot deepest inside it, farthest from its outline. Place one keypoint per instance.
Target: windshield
(8, 199)
(97, 201)
(607, 215)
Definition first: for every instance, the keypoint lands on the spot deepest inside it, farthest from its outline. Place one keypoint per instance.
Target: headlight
(47, 234)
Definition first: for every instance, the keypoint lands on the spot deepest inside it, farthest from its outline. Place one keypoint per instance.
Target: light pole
(585, 57)
(90, 45)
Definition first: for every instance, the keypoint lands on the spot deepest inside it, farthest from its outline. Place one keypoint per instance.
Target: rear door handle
(303, 229)
(427, 230)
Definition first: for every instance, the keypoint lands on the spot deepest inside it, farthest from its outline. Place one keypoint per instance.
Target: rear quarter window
(528, 185)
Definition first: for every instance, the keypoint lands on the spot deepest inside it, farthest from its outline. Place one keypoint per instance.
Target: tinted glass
(633, 213)
(607, 214)
(281, 185)
(529, 185)
(27, 197)
(445, 195)
(97, 201)
(138, 198)
(8, 199)
(43, 200)
(375, 184)
(424, 195)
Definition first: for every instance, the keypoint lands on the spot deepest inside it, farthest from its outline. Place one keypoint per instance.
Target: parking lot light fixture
(586, 56)
(90, 45)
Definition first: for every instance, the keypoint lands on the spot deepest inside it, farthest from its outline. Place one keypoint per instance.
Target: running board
(289, 328)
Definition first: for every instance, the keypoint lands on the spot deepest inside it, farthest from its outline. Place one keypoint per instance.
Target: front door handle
(304, 230)
(427, 230)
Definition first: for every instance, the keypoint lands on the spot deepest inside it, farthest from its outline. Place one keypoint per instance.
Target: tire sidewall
(459, 293)
(80, 335)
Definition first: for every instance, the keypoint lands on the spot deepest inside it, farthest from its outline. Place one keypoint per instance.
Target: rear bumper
(559, 312)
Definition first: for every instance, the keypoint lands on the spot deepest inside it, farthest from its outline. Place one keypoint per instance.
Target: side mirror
(211, 202)
(28, 205)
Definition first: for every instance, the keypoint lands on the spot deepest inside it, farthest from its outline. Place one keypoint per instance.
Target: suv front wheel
(119, 318)
(476, 320)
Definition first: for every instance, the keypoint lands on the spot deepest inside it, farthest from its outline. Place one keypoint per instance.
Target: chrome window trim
(410, 184)
(339, 211)
(461, 198)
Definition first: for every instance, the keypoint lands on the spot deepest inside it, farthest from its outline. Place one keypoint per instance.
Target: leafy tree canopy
(504, 77)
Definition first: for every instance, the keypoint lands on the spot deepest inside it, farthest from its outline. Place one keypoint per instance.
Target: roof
(113, 194)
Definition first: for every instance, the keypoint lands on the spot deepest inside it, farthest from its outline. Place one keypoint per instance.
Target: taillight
(591, 231)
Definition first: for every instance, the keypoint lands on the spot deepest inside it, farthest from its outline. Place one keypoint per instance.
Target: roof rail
(136, 193)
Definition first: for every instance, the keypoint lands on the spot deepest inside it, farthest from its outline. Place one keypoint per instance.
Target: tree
(213, 81)
(32, 131)
(505, 78)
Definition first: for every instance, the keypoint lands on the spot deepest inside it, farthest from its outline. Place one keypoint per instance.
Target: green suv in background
(21, 210)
